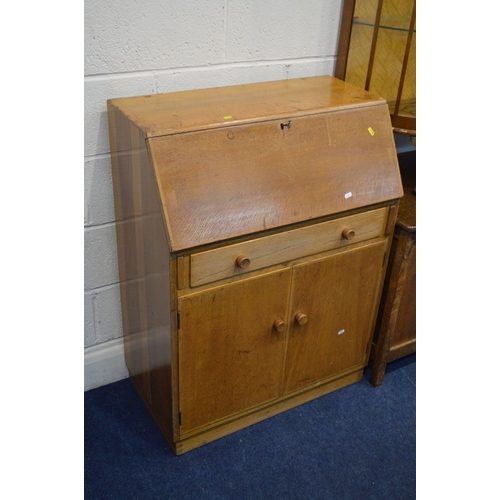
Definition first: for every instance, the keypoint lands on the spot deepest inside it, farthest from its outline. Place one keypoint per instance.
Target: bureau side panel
(144, 264)
(127, 215)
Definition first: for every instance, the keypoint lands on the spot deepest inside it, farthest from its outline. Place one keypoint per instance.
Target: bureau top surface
(234, 161)
(175, 112)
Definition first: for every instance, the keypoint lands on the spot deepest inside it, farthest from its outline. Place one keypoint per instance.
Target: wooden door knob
(242, 261)
(348, 234)
(280, 325)
(301, 318)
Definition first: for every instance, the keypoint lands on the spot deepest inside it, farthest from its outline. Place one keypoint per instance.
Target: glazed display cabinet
(377, 52)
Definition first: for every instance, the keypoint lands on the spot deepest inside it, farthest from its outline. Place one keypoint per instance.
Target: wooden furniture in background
(253, 231)
(395, 332)
(377, 52)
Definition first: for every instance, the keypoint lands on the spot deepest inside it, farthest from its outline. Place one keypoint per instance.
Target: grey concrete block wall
(136, 48)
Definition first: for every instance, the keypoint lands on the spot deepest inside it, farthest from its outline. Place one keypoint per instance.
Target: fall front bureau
(253, 227)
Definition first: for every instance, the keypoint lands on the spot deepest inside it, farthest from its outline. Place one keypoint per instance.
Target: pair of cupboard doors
(252, 341)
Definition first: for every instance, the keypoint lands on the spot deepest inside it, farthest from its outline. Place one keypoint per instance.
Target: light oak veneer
(253, 226)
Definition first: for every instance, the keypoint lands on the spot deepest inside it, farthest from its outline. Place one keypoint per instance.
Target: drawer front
(233, 260)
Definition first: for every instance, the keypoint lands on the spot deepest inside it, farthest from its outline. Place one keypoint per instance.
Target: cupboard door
(335, 299)
(230, 351)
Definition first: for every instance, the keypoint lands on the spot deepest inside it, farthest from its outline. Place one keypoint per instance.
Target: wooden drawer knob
(242, 261)
(348, 234)
(301, 318)
(280, 325)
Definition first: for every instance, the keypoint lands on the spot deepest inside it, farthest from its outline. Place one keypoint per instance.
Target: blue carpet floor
(357, 443)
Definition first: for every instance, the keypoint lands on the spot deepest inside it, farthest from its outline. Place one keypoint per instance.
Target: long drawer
(232, 260)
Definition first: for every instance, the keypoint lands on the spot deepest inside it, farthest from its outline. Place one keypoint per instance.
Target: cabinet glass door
(377, 52)
(332, 314)
(230, 352)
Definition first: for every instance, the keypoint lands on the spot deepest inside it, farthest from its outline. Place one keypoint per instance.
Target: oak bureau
(253, 228)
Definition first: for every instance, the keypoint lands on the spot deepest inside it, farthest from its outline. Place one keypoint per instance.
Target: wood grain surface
(230, 354)
(224, 183)
(274, 200)
(339, 296)
(219, 263)
(177, 112)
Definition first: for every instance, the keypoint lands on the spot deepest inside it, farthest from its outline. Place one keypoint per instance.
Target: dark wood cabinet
(396, 328)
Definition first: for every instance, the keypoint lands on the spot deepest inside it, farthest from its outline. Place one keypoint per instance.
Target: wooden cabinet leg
(378, 371)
